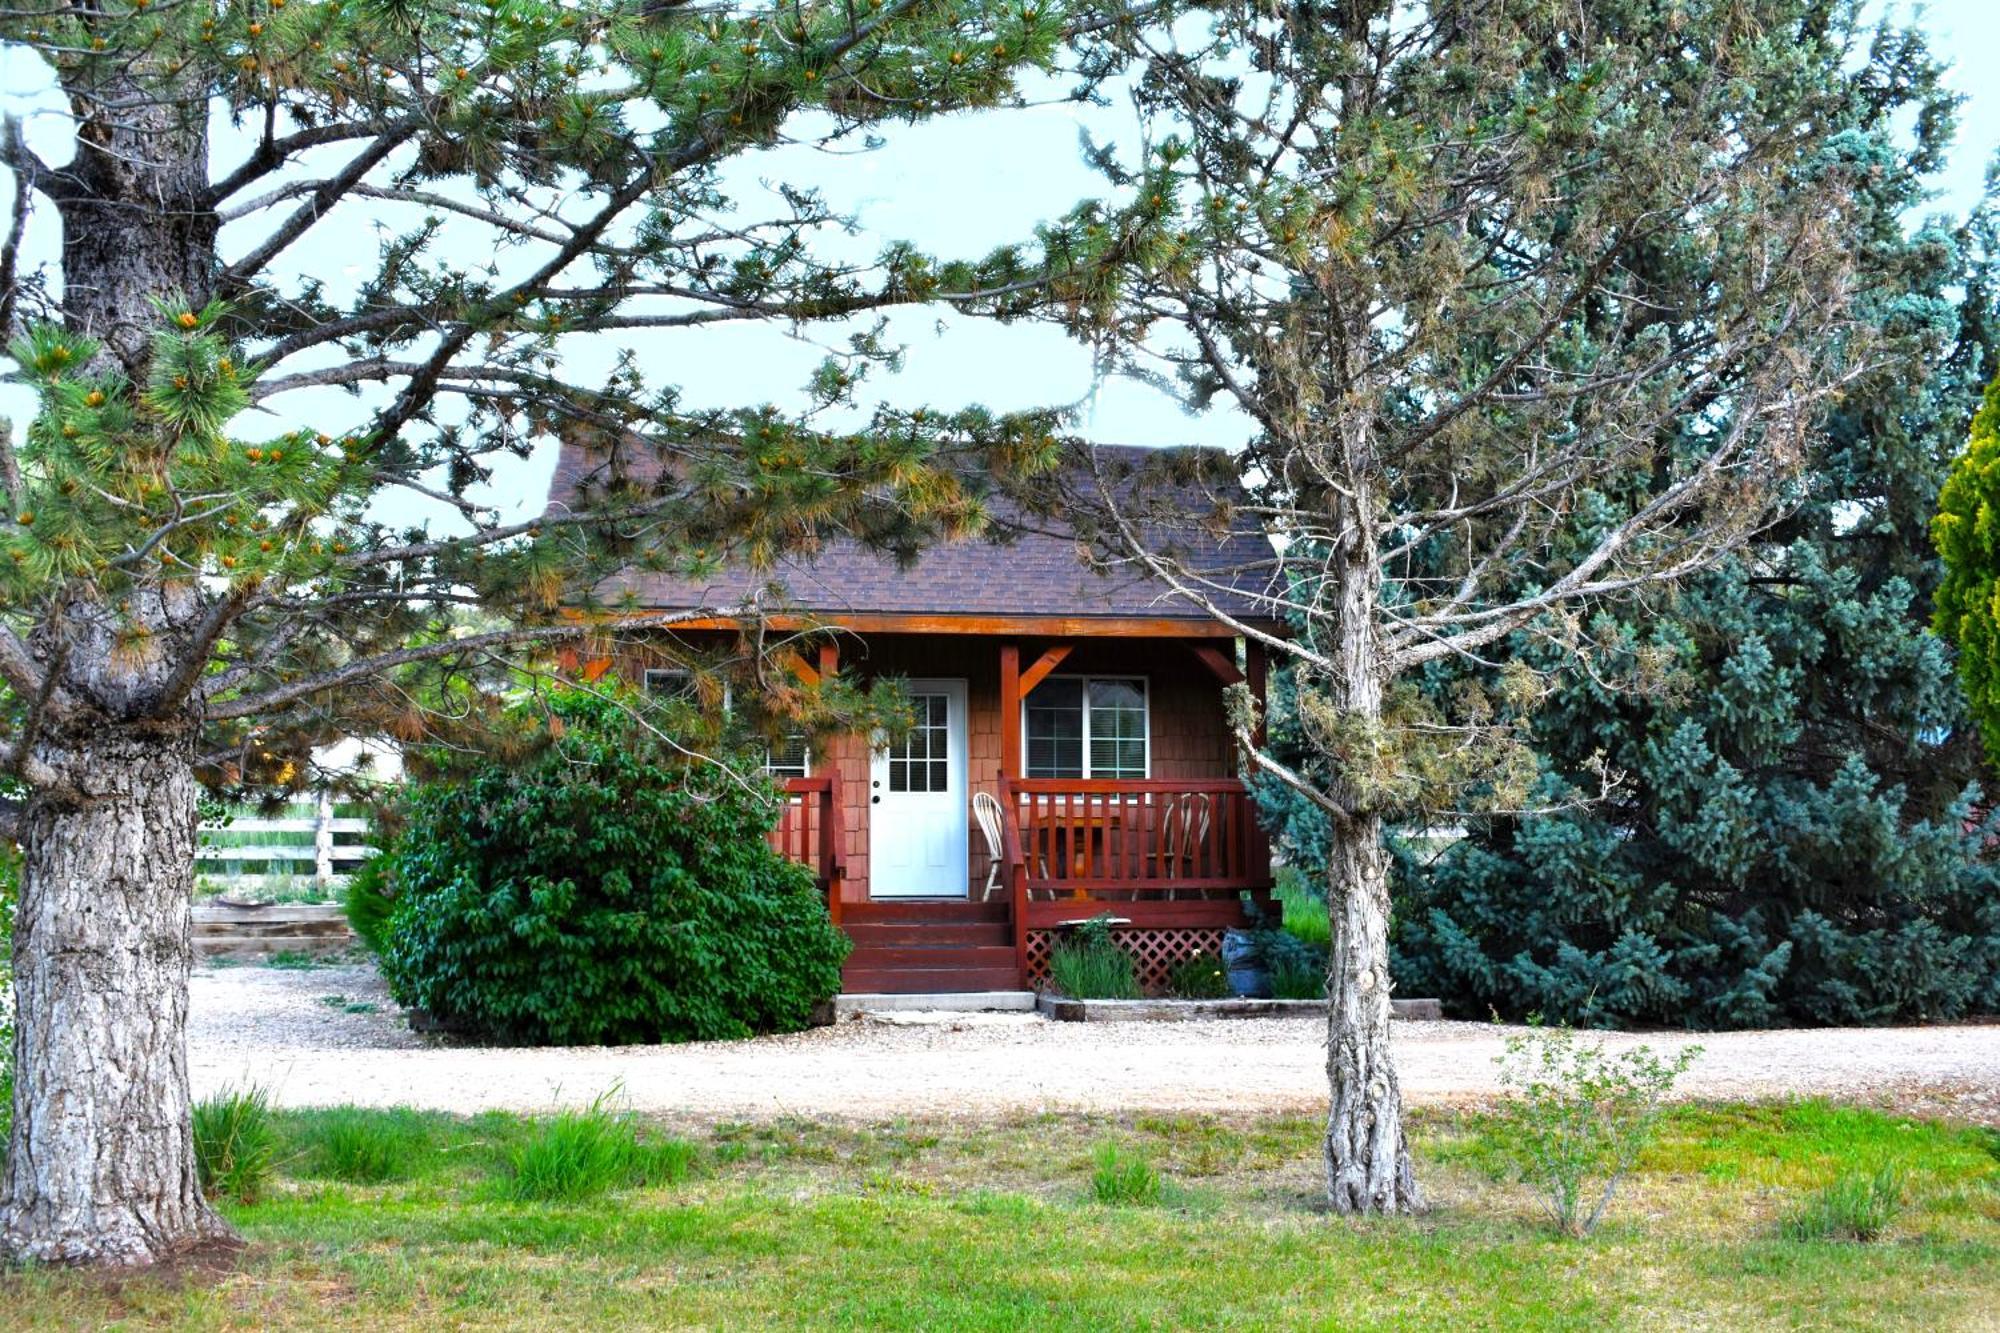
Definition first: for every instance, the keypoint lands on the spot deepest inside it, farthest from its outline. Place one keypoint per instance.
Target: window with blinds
(787, 759)
(1086, 727)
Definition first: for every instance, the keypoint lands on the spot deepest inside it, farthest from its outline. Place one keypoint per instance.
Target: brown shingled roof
(1032, 566)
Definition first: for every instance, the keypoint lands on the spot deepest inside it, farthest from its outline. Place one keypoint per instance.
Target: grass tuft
(235, 1143)
(1091, 966)
(1124, 1177)
(1297, 979)
(365, 1147)
(578, 1155)
(1855, 1206)
(1305, 911)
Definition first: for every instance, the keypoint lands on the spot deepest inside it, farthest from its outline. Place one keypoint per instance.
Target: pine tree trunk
(1367, 1158)
(100, 1168)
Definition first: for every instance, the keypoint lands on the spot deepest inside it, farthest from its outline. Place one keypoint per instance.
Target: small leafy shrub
(1856, 1206)
(365, 1147)
(579, 1154)
(1123, 1177)
(1295, 966)
(1090, 966)
(1581, 1117)
(369, 904)
(603, 891)
(1199, 977)
(235, 1143)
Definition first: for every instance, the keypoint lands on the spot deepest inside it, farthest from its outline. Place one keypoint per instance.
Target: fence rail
(318, 854)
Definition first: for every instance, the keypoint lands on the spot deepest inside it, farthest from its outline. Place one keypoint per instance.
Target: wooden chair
(986, 810)
(1183, 833)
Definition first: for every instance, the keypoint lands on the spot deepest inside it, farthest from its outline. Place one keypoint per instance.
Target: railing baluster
(1097, 838)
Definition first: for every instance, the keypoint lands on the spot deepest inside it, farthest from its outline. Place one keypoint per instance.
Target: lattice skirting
(1154, 949)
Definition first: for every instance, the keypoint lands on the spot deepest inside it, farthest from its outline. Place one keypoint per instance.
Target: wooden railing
(1158, 835)
(1162, 851)
(809, 832)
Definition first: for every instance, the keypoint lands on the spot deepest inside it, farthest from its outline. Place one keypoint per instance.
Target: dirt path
(331, 1035)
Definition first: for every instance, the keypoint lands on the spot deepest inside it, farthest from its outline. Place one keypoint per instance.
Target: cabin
(1070, 757)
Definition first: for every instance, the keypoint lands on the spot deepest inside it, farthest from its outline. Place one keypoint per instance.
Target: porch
(1178, 861)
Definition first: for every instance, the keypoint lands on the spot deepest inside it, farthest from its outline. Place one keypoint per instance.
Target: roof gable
(1028, 565)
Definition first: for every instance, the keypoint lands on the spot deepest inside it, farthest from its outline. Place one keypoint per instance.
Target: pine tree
(1799, 836)
(190, 599)
(1531, 306)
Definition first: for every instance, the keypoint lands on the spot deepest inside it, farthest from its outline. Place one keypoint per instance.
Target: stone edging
(1062, 1009)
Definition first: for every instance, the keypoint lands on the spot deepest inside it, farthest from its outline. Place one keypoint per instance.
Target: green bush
(1090, 966)
(603, 891)
(235, 1144)
(1856, 1206)
(1581, 1117)
(369, 904)
(1199, 977)
(1123, 1178)
(579, 1154)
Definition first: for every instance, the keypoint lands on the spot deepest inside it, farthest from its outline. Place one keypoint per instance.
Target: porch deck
(1178, 861)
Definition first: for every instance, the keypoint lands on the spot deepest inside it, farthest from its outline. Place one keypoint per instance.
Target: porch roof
(1030, 568)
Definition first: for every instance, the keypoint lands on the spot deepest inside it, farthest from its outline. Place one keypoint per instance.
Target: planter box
(1065, 1010)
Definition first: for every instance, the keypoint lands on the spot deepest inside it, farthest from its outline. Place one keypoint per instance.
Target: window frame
(1145, 684)
(686, 675)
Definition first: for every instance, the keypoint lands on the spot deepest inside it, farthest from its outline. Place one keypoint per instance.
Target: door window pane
(921, 761)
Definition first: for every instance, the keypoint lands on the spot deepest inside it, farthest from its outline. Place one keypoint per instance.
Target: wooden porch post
(1010, 710)
(1010, 768)
(1256, 673)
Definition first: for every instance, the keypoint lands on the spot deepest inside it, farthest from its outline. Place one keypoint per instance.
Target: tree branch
(382, 662)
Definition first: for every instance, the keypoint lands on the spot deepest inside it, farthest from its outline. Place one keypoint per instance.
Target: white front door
(917, 801)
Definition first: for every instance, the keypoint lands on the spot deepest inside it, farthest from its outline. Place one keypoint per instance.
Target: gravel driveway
(329, 1035)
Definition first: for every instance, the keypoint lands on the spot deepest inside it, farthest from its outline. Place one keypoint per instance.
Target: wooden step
(301, 930)
(889, 933)
(258, 946)
(940, 958)
(943, 911)
(921, 981)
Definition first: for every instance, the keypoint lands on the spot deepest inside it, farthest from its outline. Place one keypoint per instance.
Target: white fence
(311, 851)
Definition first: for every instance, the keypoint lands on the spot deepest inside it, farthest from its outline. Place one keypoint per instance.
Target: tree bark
(136, 220)
(101, 1167)
(1368, 1166)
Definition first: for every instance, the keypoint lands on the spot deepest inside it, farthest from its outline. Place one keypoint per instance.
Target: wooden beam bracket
(795, 664)
(1044, 664)
(1217, 662)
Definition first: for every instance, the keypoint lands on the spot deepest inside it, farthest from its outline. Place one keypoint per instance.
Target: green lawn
(970, 1226)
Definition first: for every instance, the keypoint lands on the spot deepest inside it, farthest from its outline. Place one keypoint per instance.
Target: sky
(957, 186)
